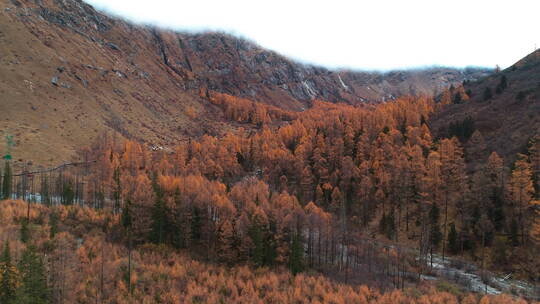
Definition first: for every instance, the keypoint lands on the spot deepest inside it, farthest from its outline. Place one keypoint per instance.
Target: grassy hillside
(504, 108)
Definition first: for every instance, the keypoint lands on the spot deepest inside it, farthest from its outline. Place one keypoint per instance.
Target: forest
(303, 207)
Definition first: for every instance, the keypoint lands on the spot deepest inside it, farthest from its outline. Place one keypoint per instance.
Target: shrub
(487, 93)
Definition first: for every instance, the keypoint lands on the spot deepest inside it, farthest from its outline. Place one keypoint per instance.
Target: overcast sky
(361, 34)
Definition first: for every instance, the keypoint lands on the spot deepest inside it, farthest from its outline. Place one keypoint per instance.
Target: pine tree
(387, 225)
(34, 289)
(502, 85)
(159, 226)
(196, 225)
(522, 189)
(534, 157)
(53, 222)
(126, 215)
(178, 228)
(159, 222)
(435, 233)
(257, 235)
(25, 233)
(476, 147)
(453, 246)
(383, 223)
(127, 220)
(8, 277)
(485, 227)
(117, 190)
(296, 256)
(270, 245)
(6, 182)
(495, 177)
(68, 195)
(487, 93)
(45, 193)
(535, 229)
(514, 232)
(500, 254)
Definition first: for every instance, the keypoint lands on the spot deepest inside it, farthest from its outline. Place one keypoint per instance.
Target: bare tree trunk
(319, 231)
(101, 277)
(445, 222)
(130, 289)
(347, 267)
(483, 257)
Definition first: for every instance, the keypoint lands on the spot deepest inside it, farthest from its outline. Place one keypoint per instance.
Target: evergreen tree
(487, 93)
(535, 228)
(457, 98)
(159, 222)
(117, 190)
(159, 214)
(8, 277)
(68, 195)
(53, 222)
(522, 191)
(453, 239)
(296, 257)
(126, 219)
(500, 251)
(45, 193)
(495, 176)
(383, 223)
(270, 245)
(256, 234)
(388, 225)
(177, 223)
(436, 235)
(514, 233)
(6, 182)
(33, 289)
(196, 225)
(504, 82)
(25, 233)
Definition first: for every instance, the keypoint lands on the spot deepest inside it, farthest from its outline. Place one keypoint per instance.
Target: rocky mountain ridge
(69, 72)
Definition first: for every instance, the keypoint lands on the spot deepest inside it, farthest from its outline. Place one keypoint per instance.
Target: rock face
(148, 84)
(238, 67)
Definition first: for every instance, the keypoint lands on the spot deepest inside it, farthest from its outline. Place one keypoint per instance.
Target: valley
(146, 165)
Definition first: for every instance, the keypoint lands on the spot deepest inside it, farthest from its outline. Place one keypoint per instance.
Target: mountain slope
(68, 73)
(510, 117)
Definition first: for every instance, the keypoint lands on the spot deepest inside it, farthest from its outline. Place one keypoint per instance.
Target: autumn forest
(335, 204)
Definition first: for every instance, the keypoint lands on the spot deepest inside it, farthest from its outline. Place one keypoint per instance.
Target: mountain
(68, 73)
(503, 107)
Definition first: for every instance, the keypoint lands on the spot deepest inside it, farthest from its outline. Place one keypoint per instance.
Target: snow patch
(309, 90)
(342, 83)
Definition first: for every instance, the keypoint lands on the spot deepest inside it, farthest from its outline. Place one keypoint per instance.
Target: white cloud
(362, 34)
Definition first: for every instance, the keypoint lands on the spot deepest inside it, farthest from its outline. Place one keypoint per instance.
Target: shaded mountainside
(68, 73)
(504, 108)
